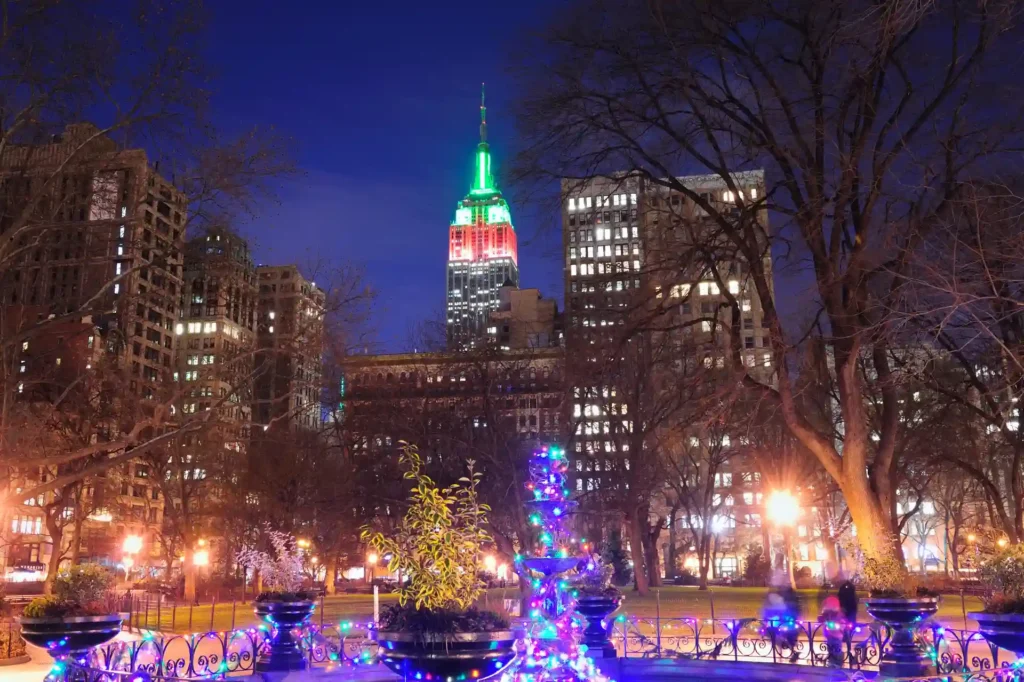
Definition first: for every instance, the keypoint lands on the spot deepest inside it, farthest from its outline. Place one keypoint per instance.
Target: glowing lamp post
(131, 546)
(201, 558)
(371, 560)
(783, 510)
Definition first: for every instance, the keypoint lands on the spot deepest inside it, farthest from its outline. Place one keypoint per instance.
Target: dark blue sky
(381, 100)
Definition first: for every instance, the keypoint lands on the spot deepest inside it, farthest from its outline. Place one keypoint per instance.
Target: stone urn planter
(69, 637)
(283, 651)
(596, 608)
(904, 656)
(443, 656)
(1004, 630)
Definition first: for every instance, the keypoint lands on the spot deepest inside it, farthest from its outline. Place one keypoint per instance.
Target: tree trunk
(56, 532)
(189, 569)
(76, 538)
(874, 528)
(651, 554)
(331, 571)
(636, 550)
(703, 561)
(672, 570)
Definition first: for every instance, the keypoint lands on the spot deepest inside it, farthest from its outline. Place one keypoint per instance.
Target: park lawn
(669, 602)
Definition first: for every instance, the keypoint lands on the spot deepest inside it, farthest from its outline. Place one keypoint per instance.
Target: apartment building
(290, 342)
(91, 276)
(524, 319)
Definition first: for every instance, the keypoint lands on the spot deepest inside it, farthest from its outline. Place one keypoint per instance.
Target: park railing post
(322, 599)
(711, 596)
(158, 599)
(147, 613)
(174, 617)
(233, 603)
(191, 608)
(657, 613)
(213, 607)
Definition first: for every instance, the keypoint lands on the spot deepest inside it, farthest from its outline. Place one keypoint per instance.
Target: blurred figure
(834, 628)
(848, 602)
(781, 612)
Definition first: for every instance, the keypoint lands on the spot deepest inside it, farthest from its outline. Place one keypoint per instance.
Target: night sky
(381, 100)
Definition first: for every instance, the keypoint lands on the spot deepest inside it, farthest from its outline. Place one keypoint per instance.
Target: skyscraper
(482, 253)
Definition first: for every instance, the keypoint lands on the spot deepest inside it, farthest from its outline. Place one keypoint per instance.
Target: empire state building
(482, 253)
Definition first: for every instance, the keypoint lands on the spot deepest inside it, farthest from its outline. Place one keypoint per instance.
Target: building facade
(96, 237)
(290, 341)
(524, 319)
(482, 253)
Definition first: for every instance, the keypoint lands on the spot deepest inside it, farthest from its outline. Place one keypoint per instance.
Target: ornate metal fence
(800, 643)
(212, 655)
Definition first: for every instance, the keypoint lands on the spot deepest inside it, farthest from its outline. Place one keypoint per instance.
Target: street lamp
(1002, 542)
(132, 544)
(201, 558)
(783, 509)
(490, 563)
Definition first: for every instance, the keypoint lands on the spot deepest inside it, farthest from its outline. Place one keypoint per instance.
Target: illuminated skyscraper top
(482, 251)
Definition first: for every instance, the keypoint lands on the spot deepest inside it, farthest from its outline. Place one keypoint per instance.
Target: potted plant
(1002, 620)
(434, 631)
(284, 605)
(895, 600)
(78, 615)
(596, 599)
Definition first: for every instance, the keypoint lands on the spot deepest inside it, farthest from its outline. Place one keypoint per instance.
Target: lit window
(21, 386)
(179, 329)
(117, 268)
(680, 291)
(572, 270)
(734, 286)
(572, 204)
(117, 289)
(705, 327)
(728, 196)
(270, 329)
(24, 345)
(745, 304)
(272, 314)
(753, 192)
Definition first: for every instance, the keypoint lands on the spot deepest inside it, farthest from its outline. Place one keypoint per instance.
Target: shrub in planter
(596, 599)
(1002, 620)
(434, 631)
(79, 615)
(284, 605)
(896, 600)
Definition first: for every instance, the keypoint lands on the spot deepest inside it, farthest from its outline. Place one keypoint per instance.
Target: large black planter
(443, 657)
(595, 609)
(283, 651)
(69, 637)
(1005, 630)
(904, 656)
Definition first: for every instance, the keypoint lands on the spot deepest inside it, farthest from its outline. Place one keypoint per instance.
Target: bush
(398, 618)
(84, 583)
(1004, 574)
(279, 596)
(82, 590)
(614, 555)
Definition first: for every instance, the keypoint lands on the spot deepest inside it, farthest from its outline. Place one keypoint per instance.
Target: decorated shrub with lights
(1002, 620)
(284, 606)
(434, 632)
(79, 615)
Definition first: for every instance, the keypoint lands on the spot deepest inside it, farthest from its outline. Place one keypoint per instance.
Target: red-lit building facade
(482, 253)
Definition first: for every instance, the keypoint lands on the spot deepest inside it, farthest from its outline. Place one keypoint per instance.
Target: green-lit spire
(483, 181)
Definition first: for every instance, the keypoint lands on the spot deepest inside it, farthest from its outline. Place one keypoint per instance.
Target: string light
(551, 646)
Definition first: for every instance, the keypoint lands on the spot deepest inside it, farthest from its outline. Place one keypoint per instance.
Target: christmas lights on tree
(551, 647)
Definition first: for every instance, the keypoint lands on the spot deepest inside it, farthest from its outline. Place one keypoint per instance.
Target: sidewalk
(36, 669)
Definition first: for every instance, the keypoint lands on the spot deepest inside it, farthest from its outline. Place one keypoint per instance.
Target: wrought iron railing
(960, 653)
(800, 642)
(212, 655)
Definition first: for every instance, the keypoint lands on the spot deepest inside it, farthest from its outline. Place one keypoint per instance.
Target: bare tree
(865, 118)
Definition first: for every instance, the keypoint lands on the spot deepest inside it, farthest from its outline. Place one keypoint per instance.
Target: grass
(669, 602)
